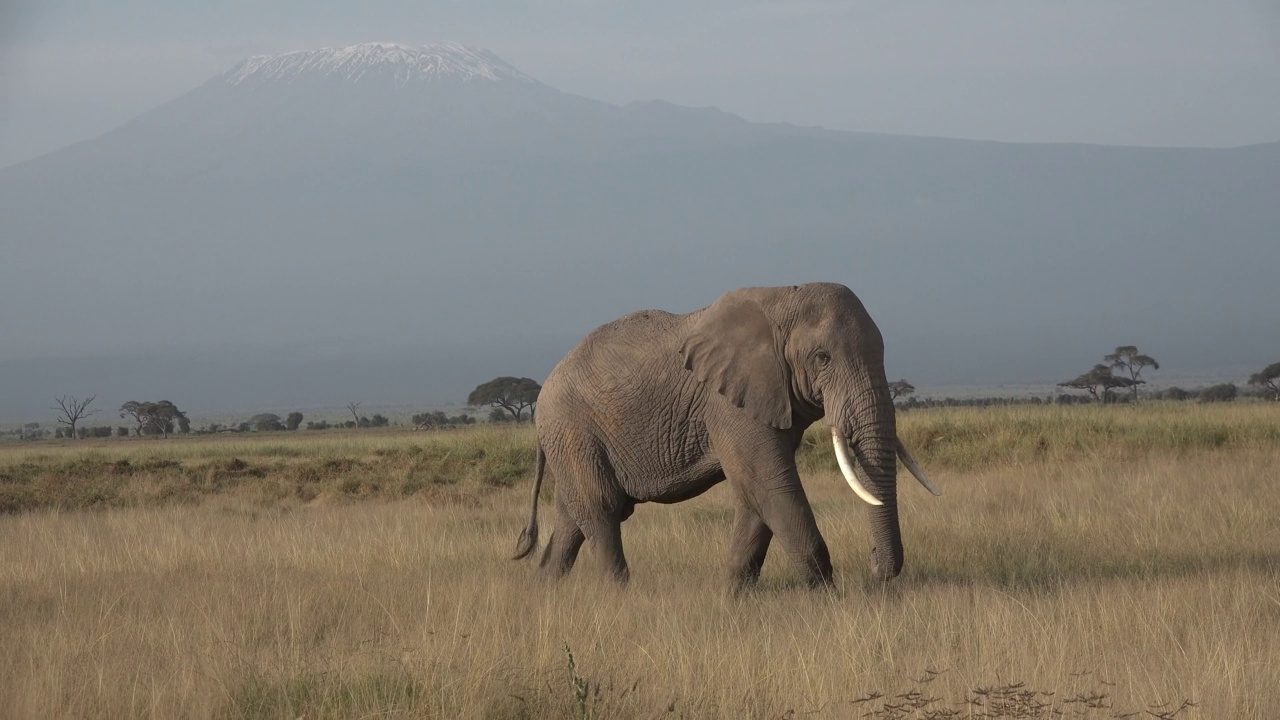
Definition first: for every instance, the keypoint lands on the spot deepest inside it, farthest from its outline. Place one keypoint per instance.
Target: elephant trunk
(877, 452)
(869, 428)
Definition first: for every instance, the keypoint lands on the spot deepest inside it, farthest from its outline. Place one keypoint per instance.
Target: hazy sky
(1157, 72)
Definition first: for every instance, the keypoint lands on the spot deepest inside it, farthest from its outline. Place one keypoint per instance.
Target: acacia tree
(900, 388)
(1131, 363)
(353, 407)
(156, 416)
(137, 411)
(509, 393)
(1098, 381)
(1269, 379)
(71, 411)
(163, 414)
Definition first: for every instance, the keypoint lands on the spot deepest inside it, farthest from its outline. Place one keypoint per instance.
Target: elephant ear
(732, 348)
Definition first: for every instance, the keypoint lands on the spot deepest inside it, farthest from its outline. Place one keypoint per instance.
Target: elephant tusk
(846, 467)
(915, 470)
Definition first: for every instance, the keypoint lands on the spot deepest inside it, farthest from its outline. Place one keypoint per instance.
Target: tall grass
(970, 438)
(1090, 585)
(272, 469)
(302, 467)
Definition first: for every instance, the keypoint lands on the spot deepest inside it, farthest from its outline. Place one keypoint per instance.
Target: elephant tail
(529, 536)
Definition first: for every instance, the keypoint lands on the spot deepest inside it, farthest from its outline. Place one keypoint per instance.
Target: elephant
(659, 407)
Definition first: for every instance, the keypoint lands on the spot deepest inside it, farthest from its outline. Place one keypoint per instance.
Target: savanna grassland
(1082, 562)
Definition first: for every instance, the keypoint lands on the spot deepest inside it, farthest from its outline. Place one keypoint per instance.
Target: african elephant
(657, 407)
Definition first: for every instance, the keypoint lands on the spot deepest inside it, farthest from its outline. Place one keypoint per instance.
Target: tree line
(513, 399)
(1123, 368)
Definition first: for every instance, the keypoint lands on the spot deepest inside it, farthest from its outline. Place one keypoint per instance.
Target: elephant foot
(821, 582)
(741, 583)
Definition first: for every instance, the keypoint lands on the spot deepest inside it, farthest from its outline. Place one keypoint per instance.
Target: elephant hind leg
(606, 541)
(562, 549)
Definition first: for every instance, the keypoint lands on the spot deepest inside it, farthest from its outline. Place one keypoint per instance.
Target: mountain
(383, 63)
(399, 208)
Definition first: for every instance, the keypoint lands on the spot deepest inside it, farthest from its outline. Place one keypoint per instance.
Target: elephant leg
(786, 511)
(566, 540)
(606, 541)
(590, 501)
(747, 548)
(763, 469)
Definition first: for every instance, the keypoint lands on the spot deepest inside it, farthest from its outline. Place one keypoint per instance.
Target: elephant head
(790, 356)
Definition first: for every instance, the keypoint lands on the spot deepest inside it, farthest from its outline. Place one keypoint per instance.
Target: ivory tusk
(915, 470)
(846, 467)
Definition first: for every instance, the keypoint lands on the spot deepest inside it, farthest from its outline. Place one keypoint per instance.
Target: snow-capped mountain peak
(402, 64)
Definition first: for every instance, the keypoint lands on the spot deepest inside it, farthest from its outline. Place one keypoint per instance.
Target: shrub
(266, 422)
(1224, 392)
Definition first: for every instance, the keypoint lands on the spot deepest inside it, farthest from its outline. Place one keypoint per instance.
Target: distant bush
(916, 403)
(122, 431)
(378, 421)
(266, 422)
(293, 421)
(1225, 392)
(94, 432)
(318, 425)
(440, 419)
(29, 431)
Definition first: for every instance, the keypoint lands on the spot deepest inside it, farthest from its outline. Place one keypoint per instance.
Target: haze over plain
(304, 238)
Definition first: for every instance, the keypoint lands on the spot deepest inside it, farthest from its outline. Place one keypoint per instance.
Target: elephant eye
(823, 357)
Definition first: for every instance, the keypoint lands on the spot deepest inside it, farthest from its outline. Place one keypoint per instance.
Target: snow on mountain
(400, 63)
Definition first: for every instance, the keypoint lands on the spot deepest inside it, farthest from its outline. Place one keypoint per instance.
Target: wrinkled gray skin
(656, 407)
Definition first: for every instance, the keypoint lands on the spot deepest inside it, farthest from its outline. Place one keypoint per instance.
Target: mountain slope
(381, 199)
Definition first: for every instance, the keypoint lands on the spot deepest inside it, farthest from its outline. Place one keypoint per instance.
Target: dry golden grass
(268, 469)
(1149, 579)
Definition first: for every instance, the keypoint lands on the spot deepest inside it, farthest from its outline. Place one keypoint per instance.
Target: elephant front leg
(747, 548)
(786, 510)
(762, 467)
